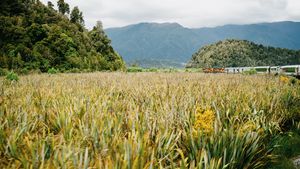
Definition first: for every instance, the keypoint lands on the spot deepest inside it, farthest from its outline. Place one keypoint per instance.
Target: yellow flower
(284, 79)
(250, 126)
(204, 120)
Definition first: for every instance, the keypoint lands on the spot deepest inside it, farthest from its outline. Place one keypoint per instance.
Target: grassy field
(148, 120)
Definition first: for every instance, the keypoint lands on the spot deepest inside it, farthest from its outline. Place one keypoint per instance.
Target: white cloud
(190, 13)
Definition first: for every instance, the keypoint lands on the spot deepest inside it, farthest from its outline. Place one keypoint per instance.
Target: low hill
(152, 44)
(236, 53)
(36, 36)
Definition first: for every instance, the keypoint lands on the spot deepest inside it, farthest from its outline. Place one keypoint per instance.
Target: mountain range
(172, 45)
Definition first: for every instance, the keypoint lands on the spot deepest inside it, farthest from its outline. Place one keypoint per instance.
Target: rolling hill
(170, 44)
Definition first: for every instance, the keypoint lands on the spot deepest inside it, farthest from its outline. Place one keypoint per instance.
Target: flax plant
(143, 120)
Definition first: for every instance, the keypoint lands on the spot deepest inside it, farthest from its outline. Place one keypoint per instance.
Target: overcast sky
(189, 13)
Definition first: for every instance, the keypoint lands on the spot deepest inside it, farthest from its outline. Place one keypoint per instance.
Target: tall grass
(144, 120)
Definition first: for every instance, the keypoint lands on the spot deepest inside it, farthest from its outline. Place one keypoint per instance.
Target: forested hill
(37, 36)
(236, 53)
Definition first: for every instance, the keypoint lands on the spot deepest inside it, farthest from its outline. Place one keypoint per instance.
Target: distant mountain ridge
(170, 44)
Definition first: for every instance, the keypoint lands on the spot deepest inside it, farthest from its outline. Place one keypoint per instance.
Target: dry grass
(143, 120)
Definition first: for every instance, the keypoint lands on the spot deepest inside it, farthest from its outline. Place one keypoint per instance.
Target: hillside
(235, 53)
(153, 44)
(35, 36)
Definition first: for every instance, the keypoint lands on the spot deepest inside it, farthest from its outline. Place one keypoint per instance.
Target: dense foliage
(238, 53)
(35, 36)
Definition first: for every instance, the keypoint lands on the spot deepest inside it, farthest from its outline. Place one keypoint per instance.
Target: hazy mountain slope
(152, 43)
(280, 34)
(233, 53)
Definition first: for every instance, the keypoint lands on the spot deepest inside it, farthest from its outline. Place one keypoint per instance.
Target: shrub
(11, 76)
(288, 144)
(289, 80)
(134, 69)
(87, 71)
(35, 71)
(250, 72)
(284, 79)
(235, 150)
(152, 70)
(52, 71)
(290, 101)
(193, 70)
(3, 72)
(173, 70)
(24, 71)
(294, 81)
(74, 70)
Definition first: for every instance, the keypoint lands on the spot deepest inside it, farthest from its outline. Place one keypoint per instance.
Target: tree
(50, 5)
(102, 45)
(63, 7)
(76, 16)
(100, 40)
(14, 7)
(98, 25)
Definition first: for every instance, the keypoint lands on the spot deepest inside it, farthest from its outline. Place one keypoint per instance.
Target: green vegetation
(287, 146)
(52, 71)
(290, 70)
(261, 69)
(3, 72)
(165, 70)
(237, 53)
(160, 120)
(38, 37)
(250, 72)
(172, 118)
(11, 76)
(135, 69)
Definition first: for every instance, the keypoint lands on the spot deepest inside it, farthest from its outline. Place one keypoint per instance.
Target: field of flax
(144, 120)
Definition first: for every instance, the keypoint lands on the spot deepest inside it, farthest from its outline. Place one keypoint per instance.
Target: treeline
(38, 37)
(237, 53)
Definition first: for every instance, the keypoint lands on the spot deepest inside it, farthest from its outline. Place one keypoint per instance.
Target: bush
(250, 72)
(35, 71)
(87, 71)
(286, 146)
(53, 71)
(193, 70)
(11, 76)
(241, 150)
(134, 69)
(290, 101)
(3, 72)
(74, 70)
(24, 71)
(294, 81)
(152, 70)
